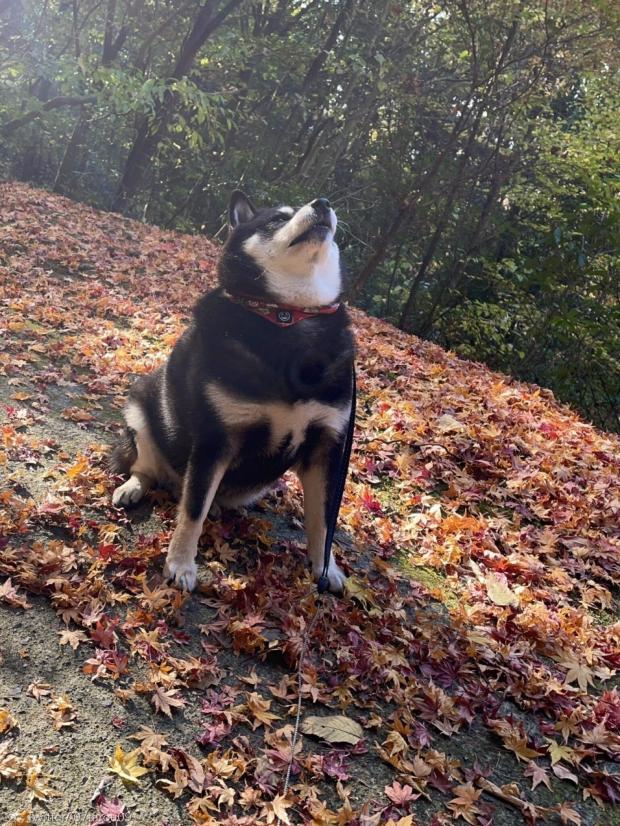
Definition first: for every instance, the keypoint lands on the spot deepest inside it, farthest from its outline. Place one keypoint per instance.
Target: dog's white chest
(288, 423)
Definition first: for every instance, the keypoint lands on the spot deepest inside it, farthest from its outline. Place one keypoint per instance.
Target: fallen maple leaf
(464, 804)
(110, 811)
(499, 591)
(559, 752)
(39, 690)
(403, 821)
(276, 808)
(400, 794)
(518, 744)
(63, 712)
(577, 671)
(10, 764)
(564, 774)
(334, 729)
(72, 638)
(365, 596)
(36, 780)
(538, 774)
(165, 700)
(569, 815)
(126, 766)
(449, 424)
(21, 818)
(175, 787)
(7, 720)
(149, 739)
(8, 593)
(259, 708)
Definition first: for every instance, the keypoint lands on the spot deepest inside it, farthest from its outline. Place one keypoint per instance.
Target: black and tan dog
(259, 383)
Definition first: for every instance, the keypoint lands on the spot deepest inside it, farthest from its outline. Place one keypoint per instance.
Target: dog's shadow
(158, 506)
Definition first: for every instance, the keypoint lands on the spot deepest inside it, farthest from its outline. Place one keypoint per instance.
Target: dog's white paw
(335, 576)
(129, 493)
(183, 572)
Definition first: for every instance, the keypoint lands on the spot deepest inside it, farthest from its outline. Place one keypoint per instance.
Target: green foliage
(547, 310)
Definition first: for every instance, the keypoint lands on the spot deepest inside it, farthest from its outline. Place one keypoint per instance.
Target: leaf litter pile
(480, 531)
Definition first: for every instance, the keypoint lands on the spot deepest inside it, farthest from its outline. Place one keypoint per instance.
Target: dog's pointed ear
(241, 209)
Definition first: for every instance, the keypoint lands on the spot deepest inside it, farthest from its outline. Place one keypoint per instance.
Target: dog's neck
(305, 283)
(319, 288)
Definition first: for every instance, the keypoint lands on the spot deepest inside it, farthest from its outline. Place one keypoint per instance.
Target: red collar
(281, 315)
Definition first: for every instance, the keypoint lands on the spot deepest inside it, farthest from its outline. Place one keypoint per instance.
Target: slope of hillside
(478, 645)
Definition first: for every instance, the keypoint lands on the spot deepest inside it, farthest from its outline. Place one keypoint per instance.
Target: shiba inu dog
(260, 382)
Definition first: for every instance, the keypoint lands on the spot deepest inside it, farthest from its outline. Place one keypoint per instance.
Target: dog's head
(283, 253)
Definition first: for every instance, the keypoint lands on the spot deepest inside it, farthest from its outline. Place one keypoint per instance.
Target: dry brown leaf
(7, 720)
(164, 700)
(72, 638)
(499, 592)
(39, 690)
(126, 766)
(334, 729)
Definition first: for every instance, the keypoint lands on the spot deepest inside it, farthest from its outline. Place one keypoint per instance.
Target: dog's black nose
(321, 205)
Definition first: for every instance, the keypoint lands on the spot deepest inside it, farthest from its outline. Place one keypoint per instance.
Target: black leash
(323, 583)
(336, 501)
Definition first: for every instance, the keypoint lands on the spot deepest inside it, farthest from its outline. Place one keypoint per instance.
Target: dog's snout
(321, 205)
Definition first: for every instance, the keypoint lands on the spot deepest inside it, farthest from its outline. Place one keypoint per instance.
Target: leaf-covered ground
(478, 644)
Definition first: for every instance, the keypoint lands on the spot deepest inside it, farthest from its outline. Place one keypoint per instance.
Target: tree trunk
(111, 44)
(406, 211)
(139, 155)
(381, 247)
(407, 312)
(150, 131)
(388, 303)
(309, 78)
(108, 37)
(391, 233)
(454, 276)
(76, 30)
(319, 60)
(65, 167)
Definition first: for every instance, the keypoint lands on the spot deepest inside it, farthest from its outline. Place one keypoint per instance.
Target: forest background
(470, 148)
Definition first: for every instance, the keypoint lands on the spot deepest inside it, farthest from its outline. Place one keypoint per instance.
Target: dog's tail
(124, 453)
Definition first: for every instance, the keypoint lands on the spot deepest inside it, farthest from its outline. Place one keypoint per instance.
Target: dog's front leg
(318, 480)
(204, 473)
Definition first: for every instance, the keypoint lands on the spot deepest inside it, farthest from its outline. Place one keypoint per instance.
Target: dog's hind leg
(131, 491)
(138, 455)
